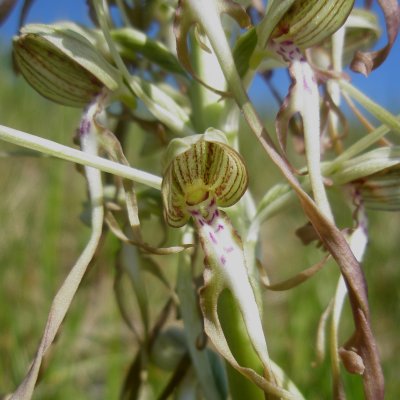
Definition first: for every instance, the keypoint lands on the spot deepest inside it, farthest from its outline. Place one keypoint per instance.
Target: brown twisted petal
(206, 169)
(365, 62)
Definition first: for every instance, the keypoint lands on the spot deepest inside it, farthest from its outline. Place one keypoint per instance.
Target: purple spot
(287, 42)
(219, 228)
(305, 85)
(212, 203)
(195, 212)
(212, 237)
(84, 127)
(201, 222)
(229, 249)
(223, 260)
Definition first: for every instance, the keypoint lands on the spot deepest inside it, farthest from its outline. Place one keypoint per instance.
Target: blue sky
(383, 85)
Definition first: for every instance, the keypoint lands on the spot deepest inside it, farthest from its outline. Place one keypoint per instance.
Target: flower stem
(58, 150)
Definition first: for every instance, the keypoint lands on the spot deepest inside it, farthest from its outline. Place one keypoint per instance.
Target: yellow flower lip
(196, 193)
(200, 167)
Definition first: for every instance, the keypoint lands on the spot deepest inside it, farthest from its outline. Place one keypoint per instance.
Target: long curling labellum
(306, 23)
(204, 173)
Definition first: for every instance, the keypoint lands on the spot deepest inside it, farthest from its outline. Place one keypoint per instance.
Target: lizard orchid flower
(202, 174)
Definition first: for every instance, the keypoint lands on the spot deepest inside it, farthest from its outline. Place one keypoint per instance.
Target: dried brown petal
(365, 62)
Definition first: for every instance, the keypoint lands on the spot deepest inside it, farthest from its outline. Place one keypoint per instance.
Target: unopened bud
(62, 65)
(376, 174)
(309, 22)
(352, 361)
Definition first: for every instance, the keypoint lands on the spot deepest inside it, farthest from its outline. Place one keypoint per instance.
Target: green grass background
(41, 235)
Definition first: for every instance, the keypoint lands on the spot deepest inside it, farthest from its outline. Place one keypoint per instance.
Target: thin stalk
(375, 109)
(340, 295)
(58, 150)
(333, 87)
(206, 103)
(124, 16)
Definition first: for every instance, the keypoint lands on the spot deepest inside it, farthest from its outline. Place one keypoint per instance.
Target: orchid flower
(202, 174)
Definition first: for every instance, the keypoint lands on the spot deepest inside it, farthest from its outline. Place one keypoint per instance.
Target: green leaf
(132, 41)
(243, 50)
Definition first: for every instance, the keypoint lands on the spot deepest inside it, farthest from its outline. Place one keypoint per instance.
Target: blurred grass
(41, 236)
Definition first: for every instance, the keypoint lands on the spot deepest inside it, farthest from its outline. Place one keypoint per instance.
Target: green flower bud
(381, 191)
(198, 167)
(309, 22)
(376, 175)
(62, 65)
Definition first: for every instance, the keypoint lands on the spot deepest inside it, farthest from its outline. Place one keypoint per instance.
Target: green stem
(333, 87)
(206, 103)
(375, 109)
(57, 150)
(237, 338)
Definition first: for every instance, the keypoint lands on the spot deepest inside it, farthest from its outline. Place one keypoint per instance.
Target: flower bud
(62, 65)
(309, 22)
(376, 175)
(381, 191)
(198, 167)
